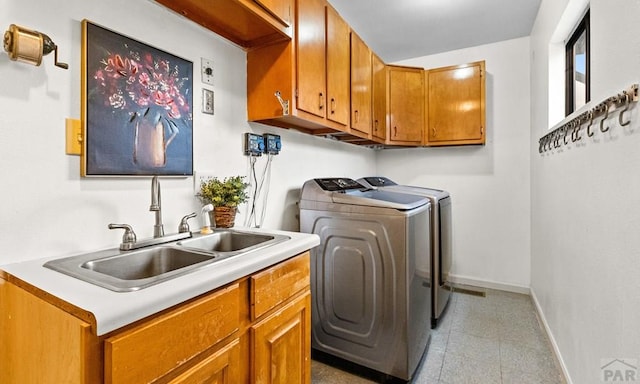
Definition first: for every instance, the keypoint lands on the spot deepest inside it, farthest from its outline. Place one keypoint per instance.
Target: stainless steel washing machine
(371, 301)
(441, 235)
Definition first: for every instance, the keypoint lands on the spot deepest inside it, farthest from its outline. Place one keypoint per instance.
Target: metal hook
(606, 115)
(575, 136)
(626, 108)
(591, 114)
(564, 138)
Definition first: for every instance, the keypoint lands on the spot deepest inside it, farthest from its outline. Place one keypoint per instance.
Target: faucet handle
(128, 238)
(184, 226)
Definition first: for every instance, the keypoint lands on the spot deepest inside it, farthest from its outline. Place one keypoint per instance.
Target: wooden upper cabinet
(248, 23)
(406, 105)
(311, 74)
(379, 95)
(360, 87)
(280, 9)
(456, 105)
(311, 66)
(338, 68)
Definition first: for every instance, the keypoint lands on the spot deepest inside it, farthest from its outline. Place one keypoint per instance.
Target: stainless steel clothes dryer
(369, 276)
(441, 237)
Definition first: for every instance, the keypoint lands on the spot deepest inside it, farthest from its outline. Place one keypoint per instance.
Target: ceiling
(402, 29)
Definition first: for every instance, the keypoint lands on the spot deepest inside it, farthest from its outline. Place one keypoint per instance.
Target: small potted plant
(225, 196)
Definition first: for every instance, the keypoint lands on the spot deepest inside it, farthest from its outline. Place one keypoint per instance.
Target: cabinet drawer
(275, 285)
(152, 349)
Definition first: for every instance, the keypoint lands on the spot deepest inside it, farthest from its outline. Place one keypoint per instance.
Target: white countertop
(113, 310)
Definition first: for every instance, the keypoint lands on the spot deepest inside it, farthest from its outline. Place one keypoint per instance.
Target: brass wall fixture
(29, 46)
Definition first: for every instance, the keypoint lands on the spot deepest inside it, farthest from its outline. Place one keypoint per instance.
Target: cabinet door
(281, 9)
(311, 67)
(456, 105)
(406, 105)
(360, 86)
(220, 368)
(337, 67)
(379, 96)
(282, 345)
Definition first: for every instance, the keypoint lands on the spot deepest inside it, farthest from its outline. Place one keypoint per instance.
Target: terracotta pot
(224, 217)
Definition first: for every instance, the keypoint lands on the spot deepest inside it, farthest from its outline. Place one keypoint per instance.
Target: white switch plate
(199, 177)
(206, 69)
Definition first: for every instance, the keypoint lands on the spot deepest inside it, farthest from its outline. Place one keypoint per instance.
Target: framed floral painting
(136, 107)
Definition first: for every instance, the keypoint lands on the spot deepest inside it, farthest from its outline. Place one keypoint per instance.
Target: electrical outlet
(207, 101)
(199, 177)
(253, 144)
(207, 71)
(273, 144)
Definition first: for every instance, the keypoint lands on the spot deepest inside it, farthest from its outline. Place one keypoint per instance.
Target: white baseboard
(489, 284)
(556, 350)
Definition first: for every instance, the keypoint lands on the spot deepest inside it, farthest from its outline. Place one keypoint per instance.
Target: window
(577, 90)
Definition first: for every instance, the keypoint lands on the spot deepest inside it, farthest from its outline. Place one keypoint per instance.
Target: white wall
(489, 184)
(46, 209)
(585, 203)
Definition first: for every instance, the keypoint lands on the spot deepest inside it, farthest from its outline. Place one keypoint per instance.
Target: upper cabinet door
(280, 9)
(456, 105)
(360, 86)
(379, 96)
(311, 67)
(338, 68)
(406, 105)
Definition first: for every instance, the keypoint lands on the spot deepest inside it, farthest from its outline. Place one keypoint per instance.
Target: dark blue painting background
(110, 134)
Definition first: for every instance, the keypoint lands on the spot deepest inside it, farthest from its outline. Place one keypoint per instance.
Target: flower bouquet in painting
(138, 107)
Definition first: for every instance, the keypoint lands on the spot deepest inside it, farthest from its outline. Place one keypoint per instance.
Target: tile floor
(484, 340)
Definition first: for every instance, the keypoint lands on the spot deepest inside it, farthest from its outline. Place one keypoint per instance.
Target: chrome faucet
(156, 206)
(129, 239)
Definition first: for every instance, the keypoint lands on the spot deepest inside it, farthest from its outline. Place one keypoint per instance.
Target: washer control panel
(379, 181)
(338, 184)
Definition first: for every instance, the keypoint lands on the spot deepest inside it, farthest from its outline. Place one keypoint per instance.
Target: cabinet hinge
(296, 92)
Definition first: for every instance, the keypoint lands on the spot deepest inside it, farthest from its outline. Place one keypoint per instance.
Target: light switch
(73, 130)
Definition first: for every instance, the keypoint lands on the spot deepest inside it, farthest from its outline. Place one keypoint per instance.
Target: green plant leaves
(229, 192)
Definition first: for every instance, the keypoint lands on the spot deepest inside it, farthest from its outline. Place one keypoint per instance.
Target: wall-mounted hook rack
(558, 137)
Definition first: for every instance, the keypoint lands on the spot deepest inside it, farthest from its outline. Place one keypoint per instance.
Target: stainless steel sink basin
(122, 271)
(146, 264)
(225, 243)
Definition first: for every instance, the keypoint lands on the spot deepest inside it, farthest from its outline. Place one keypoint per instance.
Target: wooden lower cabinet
(40, 343)
(280, 345)
(239, 333)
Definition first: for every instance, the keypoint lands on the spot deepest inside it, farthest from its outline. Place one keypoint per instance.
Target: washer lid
(380, 198)
(383, 183)
(348, 191)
